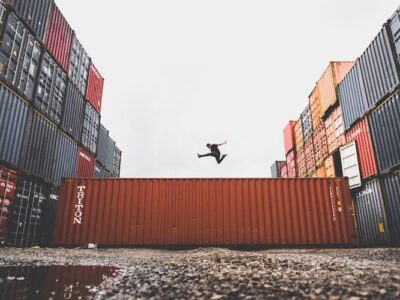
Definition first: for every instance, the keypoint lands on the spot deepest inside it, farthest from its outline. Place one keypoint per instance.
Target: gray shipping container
(385, 128)
(371, 216)
(378, 68)
(98, 171)
(90, 129)
(102, 145)
(40, 147)
(306, 123)
(110, 155)
(51, 89)
(79, 66)
(3, 13)
(394, 29)
(35, 13)
(48, 217)
(391, 187)
(19, 57)
(116, 163)
(65, 163)
(74, 107)
(276, 168)
(13, 118)
(352, 96)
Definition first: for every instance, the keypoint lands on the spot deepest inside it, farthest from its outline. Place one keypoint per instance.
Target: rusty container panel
(315, 107)
(310, 158)
(335, 130)
(86, 163)
(298, 135)
(321, 172)
(320, 144)
(301, 163)
(360, 133)
(291, 164)
(326, 85)
(330, 167)
(288, 134)
(201, 212)
(284, 171)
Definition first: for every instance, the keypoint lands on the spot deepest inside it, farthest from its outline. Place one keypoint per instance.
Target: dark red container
(86, 163)
(144, 212)
(94, 92)
(288, 134)
(291, 164)
(59, 37)
(366, 156)
(8, 186)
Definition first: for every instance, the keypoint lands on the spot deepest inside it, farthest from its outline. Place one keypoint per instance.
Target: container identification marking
(79, 204)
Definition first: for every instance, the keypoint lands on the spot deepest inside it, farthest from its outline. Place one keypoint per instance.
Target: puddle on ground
(53, 282)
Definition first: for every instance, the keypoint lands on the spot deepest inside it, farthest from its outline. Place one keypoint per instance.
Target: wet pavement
(207, 273)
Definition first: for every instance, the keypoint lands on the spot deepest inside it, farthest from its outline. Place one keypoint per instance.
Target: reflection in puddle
(55, 282)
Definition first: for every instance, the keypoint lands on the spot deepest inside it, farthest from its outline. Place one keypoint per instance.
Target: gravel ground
(214, 273)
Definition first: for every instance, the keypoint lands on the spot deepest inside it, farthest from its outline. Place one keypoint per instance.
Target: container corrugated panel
(34, 13)
(110, 154)
(301, 163)
(352, 96)
(371, 216)
(94, 92)
(90, 129)
(335, 72)
(136, 212)
(79, 66)
(102, 145)
(288, 135)
(350, 165)
(85, 163)
(98, 171)
(59, 37)
(107, 174)
(321, 172)
(48, 217)
(391, 188)
(378, 68)
(3, 12)
(73, 114)
(298, 135)
(27, 212)
(51, 89)
(335, 130)
(13, 118)
(276, 167)
(320, 144)
(385, 127)
(8, 185)
(40, 147)
(366, 154)
(19, 57)
(116, 162)
(291, 164)
(306, 123)
(65, 163)
(394, 29)
(283, 172)
(315, 107)
(330, 167)
(310, 158)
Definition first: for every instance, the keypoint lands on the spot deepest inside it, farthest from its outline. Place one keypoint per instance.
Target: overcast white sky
(179, 74)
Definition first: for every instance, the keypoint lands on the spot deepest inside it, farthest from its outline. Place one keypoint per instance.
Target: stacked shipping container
(50, 101)
(355, 111)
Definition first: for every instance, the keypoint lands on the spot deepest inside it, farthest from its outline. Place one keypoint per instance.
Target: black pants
(216, 155)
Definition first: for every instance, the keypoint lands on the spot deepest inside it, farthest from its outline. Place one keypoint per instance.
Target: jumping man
(214, 152)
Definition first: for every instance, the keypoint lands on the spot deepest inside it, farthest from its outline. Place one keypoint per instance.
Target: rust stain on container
(121, 212)
(335, 130)
(298, 135)
(326, 85)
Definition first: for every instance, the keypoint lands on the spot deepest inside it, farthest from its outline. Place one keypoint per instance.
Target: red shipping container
(59, 37)
(199, 212)
(284, 171)
(86, 163)
(361, 134)
(309, 156)
(8, 186)
(94, 92)
(291, 164)
(288, 134)
(335, 130)
(320, 144)
(298, 135)
(301, 163)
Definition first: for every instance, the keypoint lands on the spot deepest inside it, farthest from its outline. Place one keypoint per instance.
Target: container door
(350, 166)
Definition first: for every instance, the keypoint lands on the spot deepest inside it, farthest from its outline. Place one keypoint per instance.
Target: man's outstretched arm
(223, 143)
